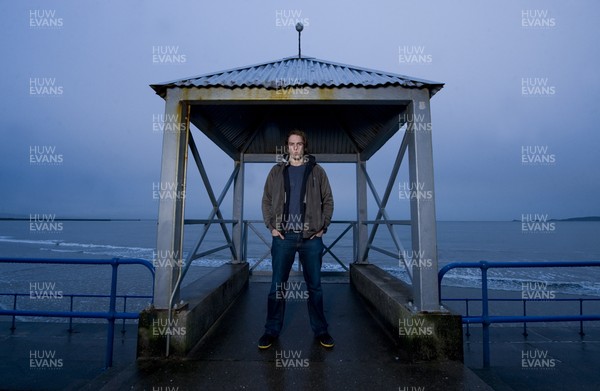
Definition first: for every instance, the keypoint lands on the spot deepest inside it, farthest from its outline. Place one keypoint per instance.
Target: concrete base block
(204, 301)
(424, 336)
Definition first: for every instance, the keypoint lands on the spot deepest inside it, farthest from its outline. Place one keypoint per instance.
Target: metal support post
(361, 211)
(169, 243)
(422, 206)
(238, 212)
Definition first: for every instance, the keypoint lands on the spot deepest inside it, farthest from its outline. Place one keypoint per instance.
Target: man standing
(297, 206)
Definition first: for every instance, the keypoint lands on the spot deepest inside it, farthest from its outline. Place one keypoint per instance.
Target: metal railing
(250, 224)
(72, 296)
(524, 302)
(111, 315)
(486, 320)
(256, 226)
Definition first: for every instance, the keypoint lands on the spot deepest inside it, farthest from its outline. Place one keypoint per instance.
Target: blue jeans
(283, 252)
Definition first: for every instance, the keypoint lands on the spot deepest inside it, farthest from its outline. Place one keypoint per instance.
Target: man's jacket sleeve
(267, 200)
(326, 200)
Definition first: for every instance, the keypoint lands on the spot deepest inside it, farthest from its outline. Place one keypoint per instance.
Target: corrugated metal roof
(331, 128)
(299, 72)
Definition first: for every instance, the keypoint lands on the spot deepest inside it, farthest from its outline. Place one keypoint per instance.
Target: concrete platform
(364, 357)
(424, 336)
(206, 300)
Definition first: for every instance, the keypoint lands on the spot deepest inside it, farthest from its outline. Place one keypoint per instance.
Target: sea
(457, 242)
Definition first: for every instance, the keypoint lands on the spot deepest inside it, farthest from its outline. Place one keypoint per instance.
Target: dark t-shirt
(295, 205)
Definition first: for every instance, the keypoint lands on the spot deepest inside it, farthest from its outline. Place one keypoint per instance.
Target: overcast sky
(515, 129)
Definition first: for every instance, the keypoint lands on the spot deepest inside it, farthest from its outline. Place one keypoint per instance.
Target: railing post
(485, 313)
(581, 333)
(71, 318)
(124, 310)
(13, 327)
(111, 317)
(525, 314)
(467, 314)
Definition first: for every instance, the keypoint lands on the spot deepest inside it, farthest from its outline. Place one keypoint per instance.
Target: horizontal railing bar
(382, 222)
(324, 273)
(82, 295)
(528, 300)
(67, 261)
(495, 265)
(74, 314)
(332, 221)
(528, 319)
(206, 221)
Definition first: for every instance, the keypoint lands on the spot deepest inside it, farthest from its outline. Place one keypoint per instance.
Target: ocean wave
(513, 282)
(501, 279)
(10, 239)
(62, 243)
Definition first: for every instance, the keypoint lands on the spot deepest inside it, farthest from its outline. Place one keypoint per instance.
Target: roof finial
(299, 28)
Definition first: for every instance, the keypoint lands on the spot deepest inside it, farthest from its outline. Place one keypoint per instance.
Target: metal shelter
(347, 112)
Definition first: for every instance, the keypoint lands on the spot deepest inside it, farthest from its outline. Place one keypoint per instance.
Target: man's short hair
(298, 132)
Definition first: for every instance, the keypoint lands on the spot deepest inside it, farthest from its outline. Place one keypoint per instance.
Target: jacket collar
(309, 160)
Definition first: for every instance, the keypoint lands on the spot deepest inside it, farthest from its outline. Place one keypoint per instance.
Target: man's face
(295, 147)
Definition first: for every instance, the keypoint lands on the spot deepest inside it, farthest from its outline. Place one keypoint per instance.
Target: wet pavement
(364, 358)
